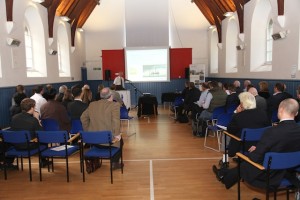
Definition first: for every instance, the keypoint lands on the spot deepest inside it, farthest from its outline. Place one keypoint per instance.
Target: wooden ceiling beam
(9, 10)
(205, 11)
(280, 4)
(239, 5)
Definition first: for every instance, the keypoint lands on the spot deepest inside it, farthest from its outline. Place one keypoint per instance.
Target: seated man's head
(288, 109)
(27, 105)
(106, 94)
(247, 101)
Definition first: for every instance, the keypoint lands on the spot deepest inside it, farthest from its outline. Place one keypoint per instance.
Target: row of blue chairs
(46, 149)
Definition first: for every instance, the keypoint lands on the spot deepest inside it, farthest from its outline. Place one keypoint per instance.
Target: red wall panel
(114, 61)
(180, 58)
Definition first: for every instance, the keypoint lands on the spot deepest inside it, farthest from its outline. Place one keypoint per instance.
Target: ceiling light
(65, 18)
(228, 14)
(38, 1)
(80, 29)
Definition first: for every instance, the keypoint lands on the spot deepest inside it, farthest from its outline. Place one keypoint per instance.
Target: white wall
(13, 58)
(285, 51)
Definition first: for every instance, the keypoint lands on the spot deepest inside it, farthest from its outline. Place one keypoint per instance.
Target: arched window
(231, 43)
(214, 51)
(260, 25)
(35, 44)
(28, 49)
(269, 46)
(63, 51)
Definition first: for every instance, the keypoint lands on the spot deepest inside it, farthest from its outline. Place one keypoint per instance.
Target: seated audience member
(100, 87)
(225, 88)
(274, 100)
(116, 95)
(28, 120)
(16, 108)
(55, 110)
(203, 102)
(185, 89)
(246, 85)
(219, 97)
(20, 91)
(87, 95)
(104, 115)
(247, 116)
(38, 97)
(191, 97)
(233, 97)
(261, 102)
(285, 137)
(287, 95)
(237, 85)
(61, 92)
(49, 90)
(263, 89)
(76, 108)
(67, 98)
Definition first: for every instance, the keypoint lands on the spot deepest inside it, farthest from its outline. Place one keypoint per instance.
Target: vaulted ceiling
(78, 12)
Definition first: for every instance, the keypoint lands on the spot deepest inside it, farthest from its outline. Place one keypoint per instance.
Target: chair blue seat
(15, 138)
(105, 151)
(64, 151)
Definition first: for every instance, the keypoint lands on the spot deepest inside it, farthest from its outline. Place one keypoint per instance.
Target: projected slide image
(154, 71)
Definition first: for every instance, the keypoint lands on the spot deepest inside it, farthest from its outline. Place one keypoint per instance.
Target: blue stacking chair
(273, 161)
(107, 151)
(221, 120)
(50, 124)
(15, 138)
(76, 127)
(62, 151)
(125, 117)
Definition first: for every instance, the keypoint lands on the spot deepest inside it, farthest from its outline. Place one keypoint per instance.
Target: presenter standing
(119, 81)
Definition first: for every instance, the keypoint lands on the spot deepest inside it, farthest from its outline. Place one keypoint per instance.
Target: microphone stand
(135, 91)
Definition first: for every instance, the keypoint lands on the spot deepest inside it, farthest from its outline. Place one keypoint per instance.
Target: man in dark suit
(285, 137)
(233, 97)
(76, 108)
(274, 100)
(247, 116)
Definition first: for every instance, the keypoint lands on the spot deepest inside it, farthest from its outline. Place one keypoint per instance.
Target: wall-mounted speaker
(187, 73)
(13, 42)
(279, 35)
(107, 74)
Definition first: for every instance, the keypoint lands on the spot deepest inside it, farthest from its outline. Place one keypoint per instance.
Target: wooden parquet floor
(162, 161)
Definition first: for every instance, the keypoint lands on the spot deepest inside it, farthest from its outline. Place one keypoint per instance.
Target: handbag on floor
(92, 164)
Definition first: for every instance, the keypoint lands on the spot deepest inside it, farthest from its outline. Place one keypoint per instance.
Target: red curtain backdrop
(180, 58)
(114, 61)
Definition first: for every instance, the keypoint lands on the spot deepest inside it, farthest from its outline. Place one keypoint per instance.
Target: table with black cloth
(145, 105)
(169, 96)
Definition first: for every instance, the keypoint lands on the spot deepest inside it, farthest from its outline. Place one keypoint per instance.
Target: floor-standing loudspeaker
(107, 75)
(187, 73)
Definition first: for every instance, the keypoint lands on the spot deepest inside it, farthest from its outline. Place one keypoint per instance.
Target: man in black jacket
(285, 137)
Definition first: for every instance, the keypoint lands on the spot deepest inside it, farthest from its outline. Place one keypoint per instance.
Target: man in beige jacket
(104, 115)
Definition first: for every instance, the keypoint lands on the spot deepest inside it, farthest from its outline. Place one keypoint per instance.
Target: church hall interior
(93, 42)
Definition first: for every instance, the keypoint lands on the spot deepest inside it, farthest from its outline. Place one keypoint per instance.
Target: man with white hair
(246, 83)
(119, 81)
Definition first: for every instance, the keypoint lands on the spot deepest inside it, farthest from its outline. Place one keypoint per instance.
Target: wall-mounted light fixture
(228, 14)
(80, 29)
(211, 27)
(65, 18)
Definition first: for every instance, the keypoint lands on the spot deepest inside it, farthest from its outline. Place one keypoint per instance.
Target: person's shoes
(216, 171)
(116, 165)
